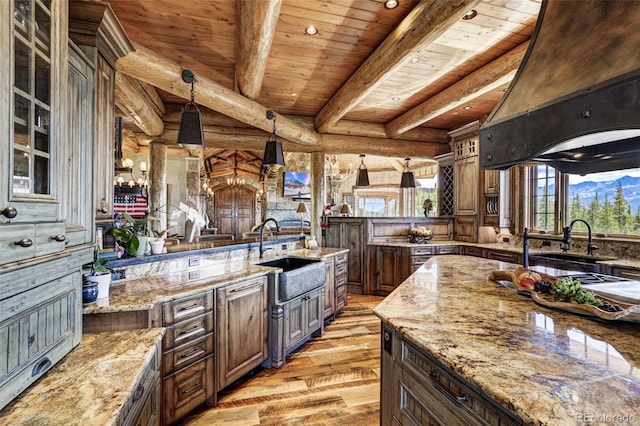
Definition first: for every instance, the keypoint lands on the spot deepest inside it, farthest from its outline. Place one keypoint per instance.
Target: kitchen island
(461, 349)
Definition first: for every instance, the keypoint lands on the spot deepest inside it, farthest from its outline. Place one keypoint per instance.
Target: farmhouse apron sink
(298, 276)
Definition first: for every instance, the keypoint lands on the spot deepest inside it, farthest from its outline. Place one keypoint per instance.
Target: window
(543, 198)
(608, 201)
(377, 202)
(426, 190)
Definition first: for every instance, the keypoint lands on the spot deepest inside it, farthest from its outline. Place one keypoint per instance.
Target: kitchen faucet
(262, 233)
(565, 240)
(567, 233)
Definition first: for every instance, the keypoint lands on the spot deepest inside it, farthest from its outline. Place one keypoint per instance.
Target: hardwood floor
(331, 380)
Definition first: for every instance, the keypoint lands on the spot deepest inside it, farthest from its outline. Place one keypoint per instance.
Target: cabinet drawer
(419, 260)
(474, 251)
(446, 396)
(187, 307)
(633, 274)
(341, 258)
(504, 256)
(50, 238)
(341, 269)
(17, 242)
(422, 251)
(341, 280)
(186, 354)
(186, 331)
(187, 389)
(448, 250)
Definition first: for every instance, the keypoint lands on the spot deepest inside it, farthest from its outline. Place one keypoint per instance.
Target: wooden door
(387, 269)
(234, 209)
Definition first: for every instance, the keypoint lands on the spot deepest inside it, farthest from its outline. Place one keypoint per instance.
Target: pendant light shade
(273, 156)
(363, 173)
(190, 135)
(408, 180)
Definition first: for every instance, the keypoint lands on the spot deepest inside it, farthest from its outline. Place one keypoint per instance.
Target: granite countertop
(548, 367)
(90, 385)
(145, 293)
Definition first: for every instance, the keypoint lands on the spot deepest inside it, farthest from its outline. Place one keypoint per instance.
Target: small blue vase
(89, 293)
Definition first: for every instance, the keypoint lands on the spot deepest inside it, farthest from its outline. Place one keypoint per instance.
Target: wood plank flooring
(331, 380)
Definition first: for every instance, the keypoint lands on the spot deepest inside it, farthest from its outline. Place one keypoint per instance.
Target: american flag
(133, 204)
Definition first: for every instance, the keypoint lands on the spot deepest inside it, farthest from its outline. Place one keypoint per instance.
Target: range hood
(575, 101)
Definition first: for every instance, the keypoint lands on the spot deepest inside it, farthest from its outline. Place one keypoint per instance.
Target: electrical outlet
(283, 247)
(505, 239)
(194, 275)
(118, 274)
(194, 261)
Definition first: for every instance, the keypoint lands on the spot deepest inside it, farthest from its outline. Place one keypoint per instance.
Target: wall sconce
(408, 180)
(363, 173)
(273, 155)
(302, 209)
(190, 134)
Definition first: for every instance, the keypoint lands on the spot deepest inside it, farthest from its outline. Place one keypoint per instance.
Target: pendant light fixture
(408, 180)
(273, 156)
(190, 134)
(363, 173)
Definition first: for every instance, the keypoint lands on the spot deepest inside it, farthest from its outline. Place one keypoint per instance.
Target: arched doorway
(234, 209)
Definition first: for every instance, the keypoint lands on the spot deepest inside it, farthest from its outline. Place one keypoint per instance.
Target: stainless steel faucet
(270, 219)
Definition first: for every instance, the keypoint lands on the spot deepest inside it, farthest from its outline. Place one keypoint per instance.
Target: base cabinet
(329, 288)
(143, 409)
(340, 280)
(303, 317)
(187, 354)
(425, 392)
(242, 327)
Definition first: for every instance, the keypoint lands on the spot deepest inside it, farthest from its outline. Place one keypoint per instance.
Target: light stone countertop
(145, 293)
(90, 385)
(548, 367)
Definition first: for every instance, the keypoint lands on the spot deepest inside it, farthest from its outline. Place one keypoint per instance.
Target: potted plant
(132, 236)
(157, 242)
(100, 275)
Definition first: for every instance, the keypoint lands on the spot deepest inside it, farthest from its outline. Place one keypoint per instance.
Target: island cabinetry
(242, 329)
(188, 356)
(143, 407)
(425, 392)
(303, 317)
(329, 288)
(340, 280)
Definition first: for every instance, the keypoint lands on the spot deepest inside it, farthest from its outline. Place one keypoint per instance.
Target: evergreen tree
(620, 210)
(636, 222)
(576, 209)
(593, 211)
(606, 221)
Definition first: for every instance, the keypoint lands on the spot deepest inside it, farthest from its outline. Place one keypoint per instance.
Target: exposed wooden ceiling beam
(426, 22)
(165, 74)
(496, 73)
(339, 144)
(258, 20)
(133, 99)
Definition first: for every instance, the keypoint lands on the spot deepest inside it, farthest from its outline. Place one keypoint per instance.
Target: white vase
(104, 282)
(142, 248)
(157, 245)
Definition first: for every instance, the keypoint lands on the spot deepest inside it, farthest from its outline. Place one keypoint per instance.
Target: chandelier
(235, 180)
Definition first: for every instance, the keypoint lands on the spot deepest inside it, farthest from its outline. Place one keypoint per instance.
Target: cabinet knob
(25, 242)
(9, 212)
(59, 238)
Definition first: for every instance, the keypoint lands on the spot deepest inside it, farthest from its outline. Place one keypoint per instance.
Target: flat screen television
(297, 185)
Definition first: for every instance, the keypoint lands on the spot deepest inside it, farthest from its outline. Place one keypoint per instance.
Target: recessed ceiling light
(455, 112)
(294, 94)
(391, 4)
(470, 15)
(466, 107)
(414, 60)
(311, 30)
(395, 99)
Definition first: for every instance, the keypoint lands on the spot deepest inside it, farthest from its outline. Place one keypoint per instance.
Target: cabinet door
(294, 321)
(329, 287)
(465, 183)
(313, 311)
(388, 266)
(241, 313)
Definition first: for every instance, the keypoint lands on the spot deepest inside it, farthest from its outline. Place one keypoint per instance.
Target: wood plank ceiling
(378, 81)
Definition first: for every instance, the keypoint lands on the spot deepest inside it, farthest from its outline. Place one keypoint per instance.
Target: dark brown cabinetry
(329, 288)
(340, 280)
(350, 233)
